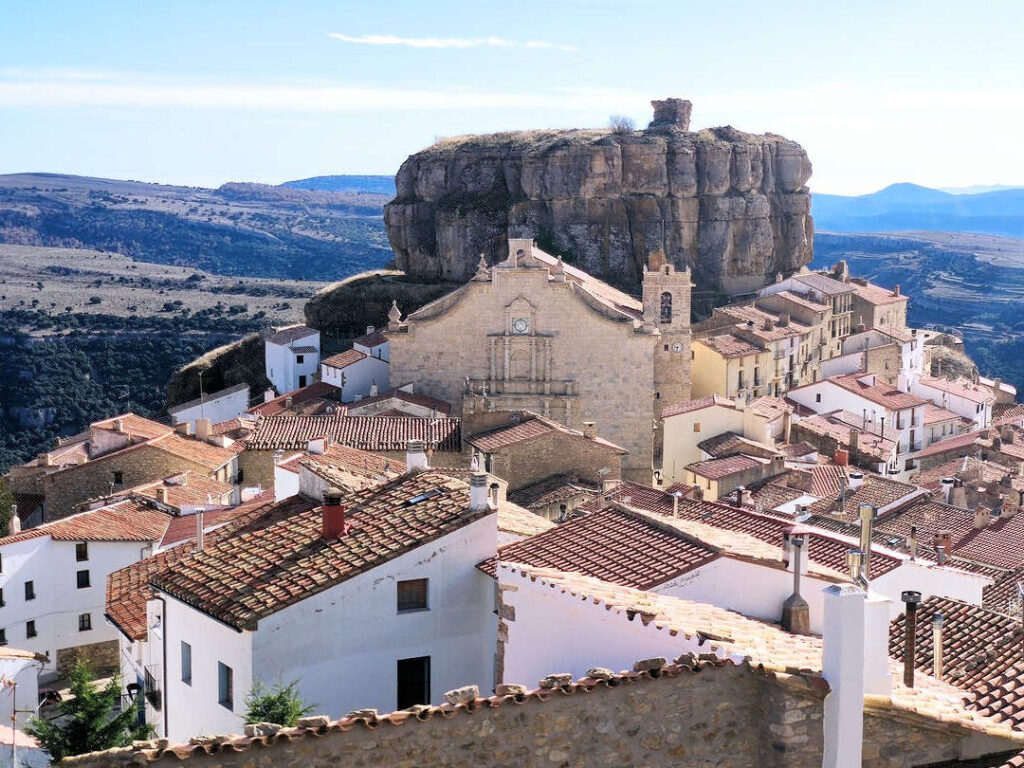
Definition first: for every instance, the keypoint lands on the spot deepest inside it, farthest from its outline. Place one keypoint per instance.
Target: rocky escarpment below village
(732, 206)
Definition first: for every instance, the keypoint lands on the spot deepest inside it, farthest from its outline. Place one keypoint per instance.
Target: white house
(355, 373)
(371, 602)
(880, 406)
(52, 581)
(374, 344)
(972, 401)
(292, 357)
(215, 406)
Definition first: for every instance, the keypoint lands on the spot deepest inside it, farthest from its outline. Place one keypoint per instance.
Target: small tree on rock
(88, 721)
(621, 124)
(279, 704)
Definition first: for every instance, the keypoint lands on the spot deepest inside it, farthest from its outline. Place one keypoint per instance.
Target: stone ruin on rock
(732, 206)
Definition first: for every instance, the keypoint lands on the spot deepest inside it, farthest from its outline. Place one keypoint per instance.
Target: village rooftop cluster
(539, 485)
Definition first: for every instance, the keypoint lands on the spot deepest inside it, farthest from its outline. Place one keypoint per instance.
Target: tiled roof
(532, 426)
(344, 359)
(700, 403)
(369, 433)
(1000, 543)
(183, 527)
(210, 456)
(513, 519)
(319, 394)
(614, 545)
(208, 396)
(551, 491)
(288, 335)
(135, 425)
(441, 406)
(981, 653)
(233, 428)
(1003, 596)
(933, 414)
(838, 426)
(187, 488)
(729, 444)
(347, 467)
(797, 450)
(728, 345)
(877, 490)
(128, 520)
(599, 289)
(876, 294)
(773, 408)
(772, 495)
(1007, 413)
(128, 589)
(955, 443)
(929, 517)
(824, 284)
(881, 393)
(633, 495)
(286, 560)
(372, 339)
(716, 469)
(804, 300)
(959, 388)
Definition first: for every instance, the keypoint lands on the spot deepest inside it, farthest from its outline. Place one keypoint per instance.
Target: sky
(200, 92)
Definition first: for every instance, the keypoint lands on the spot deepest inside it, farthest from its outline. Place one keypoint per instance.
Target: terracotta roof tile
(286, 560)
(968, 390)
(210, 456)
(700, 403)
(513, 519)
(293, 333)
(369, 433)
(532, 426)
(137, 426)
(127, 520)
(729, 346)
(716, 469)
(551, 491)
(880, 393)
(344, 359)
(877, 295)
(824, 284)
(319, 394)
(373, 339)
(188, 488)
(441, 406)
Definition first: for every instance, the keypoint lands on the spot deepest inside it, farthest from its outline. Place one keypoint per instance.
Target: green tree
(6, 501)
(279, 704)
(87, 721)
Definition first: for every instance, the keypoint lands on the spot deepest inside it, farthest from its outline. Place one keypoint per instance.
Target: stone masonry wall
(699, 714)
(534, 460)
(104, 657)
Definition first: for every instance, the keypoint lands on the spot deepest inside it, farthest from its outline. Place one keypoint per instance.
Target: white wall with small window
(52, 593)
(411, 628)
(292, 364)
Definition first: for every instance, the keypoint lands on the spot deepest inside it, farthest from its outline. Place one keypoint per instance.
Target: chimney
(495, 493)
(784, 319)
(563, 512)
(769, 324)
(787, 426)
(943, 539)
(946, 485)
(317, 445)
(415, 456)
(589, 430)
(796, 613)
(675, 503)
(896, 290)
(268, 395)
(854, 439)
(743, 496)
(478, 496)
(911, 599)
(184, 428)
(162, 494)
(44, 460)
(332, 515)
(200, 534)
(958, 495)
(370, 329)
(867, 518)
(842, 662)
(842, 458)
(982, 516)
(203, 430)
(14, 524)
(912, 542)
(940, 555)
(288, 402)
(937, 646)
(119, 426)
(856, 480)
(373, 390)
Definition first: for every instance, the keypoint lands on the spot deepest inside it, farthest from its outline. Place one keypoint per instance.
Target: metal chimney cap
(937, 618)
(911, 597)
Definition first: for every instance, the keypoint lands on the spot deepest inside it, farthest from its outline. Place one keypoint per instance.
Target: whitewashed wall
(355, 380)
(218, 406)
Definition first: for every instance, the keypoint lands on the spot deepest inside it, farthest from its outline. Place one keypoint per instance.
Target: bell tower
(666, 300)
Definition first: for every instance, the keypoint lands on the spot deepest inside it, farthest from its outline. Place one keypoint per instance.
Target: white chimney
(373, 390)
(982, 517)
(199, 529)
(317, 445)
(204, 428)
(370, 329)
(268, 395)
(478, 495)
(14, 526)
(856, 480)
(877, 612)
(415, 456)
(843, 665)
(947, 486)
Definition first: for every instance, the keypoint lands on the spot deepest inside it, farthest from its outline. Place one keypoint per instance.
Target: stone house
(834, 290)
(532, 333)
(717, 477)
(114, 455)
(875, 307)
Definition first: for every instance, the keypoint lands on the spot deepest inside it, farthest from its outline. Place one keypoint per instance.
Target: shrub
(279, 704)
(621, 124)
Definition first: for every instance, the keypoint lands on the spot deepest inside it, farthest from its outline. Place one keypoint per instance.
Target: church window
(666, 307)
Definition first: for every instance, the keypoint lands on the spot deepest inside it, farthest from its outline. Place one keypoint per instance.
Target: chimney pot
(478, 496)
(332, 512)
(370, 329)
(842, 458)
(200, 530)
(288, 401)
(589, 430)
(268, 395)
(937, 651)
(415, 456)
(204, 428)
(911, 598)
(856, 480)
(162, 494)
(14, 524)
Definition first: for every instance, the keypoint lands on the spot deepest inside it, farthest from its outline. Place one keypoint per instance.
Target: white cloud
(446, 42)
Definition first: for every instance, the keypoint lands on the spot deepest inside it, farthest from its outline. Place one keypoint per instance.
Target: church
(532, 333)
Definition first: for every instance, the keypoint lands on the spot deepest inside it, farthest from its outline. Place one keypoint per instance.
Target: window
(412, 595)
(2, 603)
(225, 685)
(82, 551)
(666, 307)
(413, 681)
(83, 579)
(300, 358)
(817, 398)
(696, 426)
(666, 347)
(30, 590)
(186, 663)
(84, 622)
(3, 637)
(118, 478)
(302, 381)
(152, 689)
(30, 629)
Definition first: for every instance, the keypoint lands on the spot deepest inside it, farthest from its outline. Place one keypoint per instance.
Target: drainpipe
(163, 682)
(912, 599)
(937, 646)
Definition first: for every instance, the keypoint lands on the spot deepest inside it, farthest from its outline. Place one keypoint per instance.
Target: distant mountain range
(374, 185)
(909, 207)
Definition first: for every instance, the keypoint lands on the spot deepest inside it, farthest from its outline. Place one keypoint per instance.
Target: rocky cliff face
(731, 206)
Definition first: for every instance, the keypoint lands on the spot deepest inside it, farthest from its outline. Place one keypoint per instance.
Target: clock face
(677, 347)
(520, 325)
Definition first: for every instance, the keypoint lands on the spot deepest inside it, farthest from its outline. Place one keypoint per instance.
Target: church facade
(536, 334)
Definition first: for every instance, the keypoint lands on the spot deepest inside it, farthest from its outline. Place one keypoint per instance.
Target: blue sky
(200, 93)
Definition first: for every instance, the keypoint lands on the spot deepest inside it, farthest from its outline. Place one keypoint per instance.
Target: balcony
(915, 446)
(152, 687)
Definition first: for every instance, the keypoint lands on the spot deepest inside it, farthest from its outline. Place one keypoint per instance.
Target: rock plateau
(731, 206)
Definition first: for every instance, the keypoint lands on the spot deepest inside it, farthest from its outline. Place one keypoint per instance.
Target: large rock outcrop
(732, 206)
